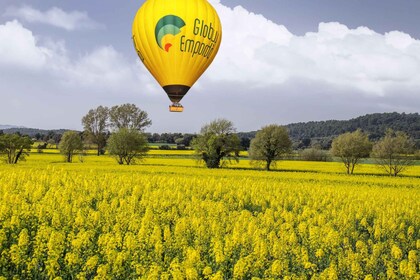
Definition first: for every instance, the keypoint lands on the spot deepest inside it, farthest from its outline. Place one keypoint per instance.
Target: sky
(280, 61)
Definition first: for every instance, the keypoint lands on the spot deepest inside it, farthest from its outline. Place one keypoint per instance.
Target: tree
(14, 147)
(95, 123)
(128, 116)
(51, 143)
(127, 145)
(70, 144)
(215, 142)
(351, 147)
(392, 152)
(269, 145)
(314, 154)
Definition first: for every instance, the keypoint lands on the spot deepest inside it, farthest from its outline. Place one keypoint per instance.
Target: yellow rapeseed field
(169, 218)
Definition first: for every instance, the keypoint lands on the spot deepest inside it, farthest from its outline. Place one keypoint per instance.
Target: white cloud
(255, 51)
(18, 47)
(399, 40)
(262, 53)
(102, 69)
(55, 16)
(43, 85)
(333, 72)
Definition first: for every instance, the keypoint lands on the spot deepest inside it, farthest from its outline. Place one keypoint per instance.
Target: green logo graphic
(168, 25)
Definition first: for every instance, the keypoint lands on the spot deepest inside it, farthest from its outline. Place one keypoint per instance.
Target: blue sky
(280, 62)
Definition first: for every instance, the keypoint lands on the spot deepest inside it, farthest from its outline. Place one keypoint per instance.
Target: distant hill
(374, 124)
(2, 126)
(323, 132)
(32, 132)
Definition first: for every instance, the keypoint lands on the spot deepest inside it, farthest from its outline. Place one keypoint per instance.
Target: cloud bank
(261, 68)
(263, 53)
(103, 67)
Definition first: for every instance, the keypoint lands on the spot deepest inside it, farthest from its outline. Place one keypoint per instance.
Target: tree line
(120, 130)
(322, 133)
(303, 135)
(375, 124)
(218, 142)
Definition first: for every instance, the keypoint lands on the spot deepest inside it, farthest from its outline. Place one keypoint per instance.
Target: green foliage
(374, 124)
(34, 132)
(127, 145)
(128, 116)
(302, 134)
(393, 152)
(14, 147)
(351, 147)
(269, 145)
(217, 141)
(70, 144)
(315, 154)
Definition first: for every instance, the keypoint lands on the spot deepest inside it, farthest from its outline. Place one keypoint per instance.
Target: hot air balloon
(176, 40)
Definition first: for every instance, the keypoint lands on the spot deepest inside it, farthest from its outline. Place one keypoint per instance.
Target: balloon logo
(166, 28)
(177, 41)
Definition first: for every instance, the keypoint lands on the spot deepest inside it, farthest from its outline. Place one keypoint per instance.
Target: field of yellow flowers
(169, 218)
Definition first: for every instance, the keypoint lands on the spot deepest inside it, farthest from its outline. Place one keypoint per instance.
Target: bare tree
(351, 147)
(128, 116)
(392, 153)
(95, 123)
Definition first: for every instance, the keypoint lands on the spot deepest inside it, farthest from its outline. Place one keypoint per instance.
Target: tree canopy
(269, 145)
(70, 144)
(393, 151)
(128, 116)
(350, 147)
(217, 141)
(14, 147)
(127, 145)
(95, 124)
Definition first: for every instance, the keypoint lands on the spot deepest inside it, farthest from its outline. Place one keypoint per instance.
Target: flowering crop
(160, 220)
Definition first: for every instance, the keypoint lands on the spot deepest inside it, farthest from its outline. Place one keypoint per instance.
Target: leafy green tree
(127, 145)
(95, 123)
(269, 145)
(14, 147)
(351, 147)
(70, 144)
(128, 116)
(217, 141)
(392, 153)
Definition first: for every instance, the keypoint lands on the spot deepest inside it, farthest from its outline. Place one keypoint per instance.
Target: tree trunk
(213, 162)
(9, 157)
(267, 167)
(18, 156)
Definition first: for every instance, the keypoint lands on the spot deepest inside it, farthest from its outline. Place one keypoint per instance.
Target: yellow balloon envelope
(177, 40)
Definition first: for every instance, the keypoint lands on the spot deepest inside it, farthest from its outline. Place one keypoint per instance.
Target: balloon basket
(176, 108)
